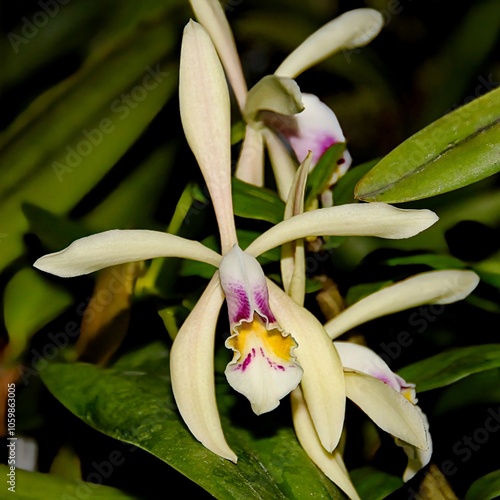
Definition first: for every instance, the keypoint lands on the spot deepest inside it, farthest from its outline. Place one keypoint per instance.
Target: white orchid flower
(385, 397)
(268, 363)
(306, 122)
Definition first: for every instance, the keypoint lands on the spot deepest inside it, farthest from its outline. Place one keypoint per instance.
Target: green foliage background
(80, 77)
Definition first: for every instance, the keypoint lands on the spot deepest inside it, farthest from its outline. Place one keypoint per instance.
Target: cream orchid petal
(330, 463)
(417, 459)
(323, 379)
(432, 287)
(362, 359)
(117, 246)
(352, 29)
(192, 371)
(205, 115)
(284, 167)
(211, 16)
(389, 409)
(355, 219)
(316, 129)
(264, 368)
(293, 262)
(250, 165)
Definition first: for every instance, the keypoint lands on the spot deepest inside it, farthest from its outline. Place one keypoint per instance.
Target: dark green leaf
(343, 191)
(460, 148)
(373, 484)
(318, 179)
(252, 202)
(449, 366)
(132, 402)
(428, 259)
(485, 488)
(38, 486)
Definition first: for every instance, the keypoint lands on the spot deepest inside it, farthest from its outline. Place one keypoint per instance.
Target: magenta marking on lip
(261, 298)
(238, 304)
(247, 361)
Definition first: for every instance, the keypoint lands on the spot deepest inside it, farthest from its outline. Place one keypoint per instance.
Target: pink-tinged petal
(211, 16)
(316, 129)
(323, 379)
(263, 368)
(192, 371)
(250, 165)
(117, 246)
(350, 30)
(205, 114)
(362, 359)
(331, 464)
(389, 409)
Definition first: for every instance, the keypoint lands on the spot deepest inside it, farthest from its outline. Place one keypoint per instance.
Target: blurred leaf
(318, 179)
(70, 136)
(38, 486)
(482, 387)
(485, 488)
(66, 464)
(489, 270)
(373, 484)
(132, 402)
(428, 259)
(30, 302)
(459, 149)
(132, 204)
(449, 366)
(252, 202)
(55, 231)
(357, 292)
(447, 76)
(343, 191)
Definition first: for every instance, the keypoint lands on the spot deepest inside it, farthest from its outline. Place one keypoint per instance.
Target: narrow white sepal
(250, 165)
(205, 115)
(432, 287)
(192, 371)
(330, 463)
(211, 16)
(355, 219)
(350, 30)
(117, 246)
(323, 379)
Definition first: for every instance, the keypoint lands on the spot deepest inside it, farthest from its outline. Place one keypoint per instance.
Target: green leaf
(428, 259)
(39, 486)
(71, 135)
(485, 488)
(482, 387)
(343, 191)
(373, 484)
(253, 202)
(459, 149)
(318, 179)
(449, 366)
(30, 302)
(132, 401)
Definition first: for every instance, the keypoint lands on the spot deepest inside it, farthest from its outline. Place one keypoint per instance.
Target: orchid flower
(277, 344)
(386, 397)
(274, 108)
